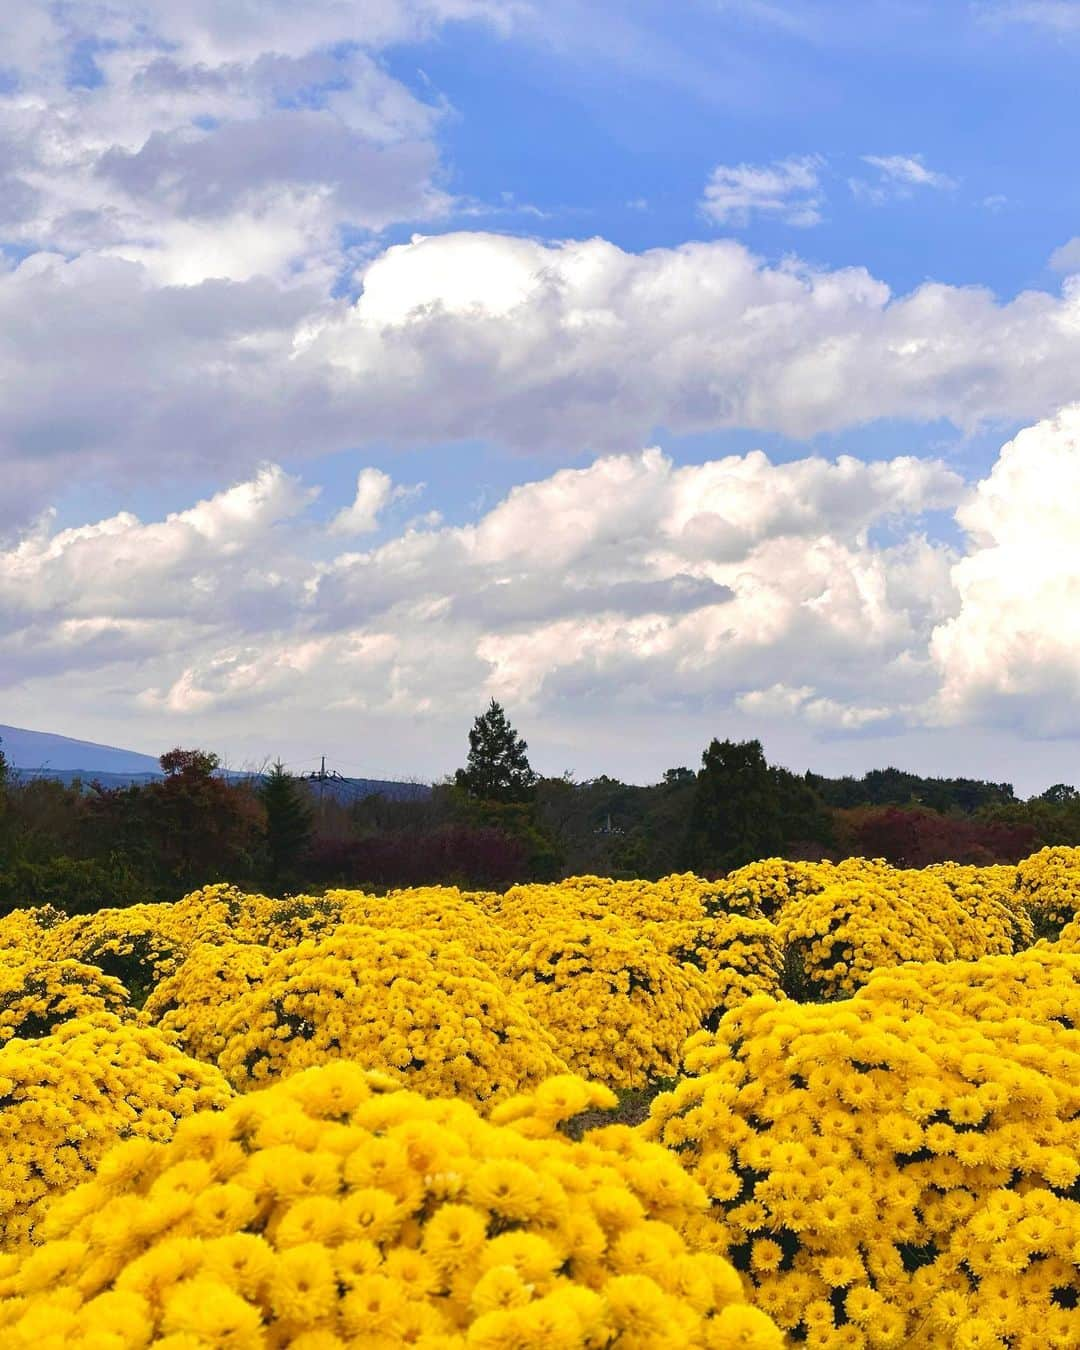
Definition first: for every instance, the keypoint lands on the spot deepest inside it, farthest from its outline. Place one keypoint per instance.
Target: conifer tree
(288, 821)
(735, 817)
(497, 769)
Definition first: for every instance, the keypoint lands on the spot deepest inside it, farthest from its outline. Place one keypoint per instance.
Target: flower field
(808, 1104)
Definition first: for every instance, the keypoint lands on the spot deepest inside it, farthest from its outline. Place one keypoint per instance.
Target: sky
(664, 370)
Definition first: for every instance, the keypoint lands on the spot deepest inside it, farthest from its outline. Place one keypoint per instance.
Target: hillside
(34, 751)
(40, 754)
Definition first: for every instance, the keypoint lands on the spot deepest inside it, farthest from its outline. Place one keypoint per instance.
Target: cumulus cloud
(544, 345)
(464, 336)
(629, 584)
(190, 123)
(1011, 655)
(1067, 257)
(756, 593)
(789, 189)
(375, 490)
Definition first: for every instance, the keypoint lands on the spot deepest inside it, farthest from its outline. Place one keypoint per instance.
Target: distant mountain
(34, 751)
(41, 754)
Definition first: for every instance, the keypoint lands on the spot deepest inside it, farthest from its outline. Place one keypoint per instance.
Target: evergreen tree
(497, 769)
(735, 817)
(288, 821)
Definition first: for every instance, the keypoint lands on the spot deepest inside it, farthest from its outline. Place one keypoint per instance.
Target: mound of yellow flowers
(36, 995)
(682, 896)
(67, 1097)
(442, 911)
(992, 895)
(738, 956)
(875, 916)
(764, 888)
(189, 1005)
(901, 1169)
(334, 1209)
(618, 1006)
(1049, 884)
(410, 1004)
(133, 945)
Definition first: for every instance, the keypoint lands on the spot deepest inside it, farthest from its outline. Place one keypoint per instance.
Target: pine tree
(288, 821)
(497, 769)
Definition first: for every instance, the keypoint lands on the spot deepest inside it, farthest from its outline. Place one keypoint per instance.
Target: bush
(75, 885)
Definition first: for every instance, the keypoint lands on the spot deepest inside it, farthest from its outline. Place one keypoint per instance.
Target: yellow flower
(499, 1289)
(453, 1235)
(303, 1289)
(506, 1187)
(243, 1261)
(373, 1307)
(738, 1327)
(205, 1309)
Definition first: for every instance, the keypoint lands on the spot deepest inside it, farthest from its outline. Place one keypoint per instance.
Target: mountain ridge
(48, 752)
(44, 754)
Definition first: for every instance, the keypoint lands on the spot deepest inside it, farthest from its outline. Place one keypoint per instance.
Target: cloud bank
(627, 588)
(542, 347)
(195, 274)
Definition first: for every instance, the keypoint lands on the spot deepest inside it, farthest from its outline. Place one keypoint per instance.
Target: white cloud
(1011, 655)
(375, 490)
(737, 592)
(907, 169)
(217, 140)
(898, 176)
(630, 584)
(788, 188)
(542, 347)
(191, 564)
(1067, 257)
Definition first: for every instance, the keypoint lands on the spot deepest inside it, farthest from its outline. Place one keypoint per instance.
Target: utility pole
(322, 775)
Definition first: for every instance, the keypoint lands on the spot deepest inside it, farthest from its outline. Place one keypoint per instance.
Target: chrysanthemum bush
(334, 1210)
(990, 894)
(23, 928)
(738, 956)
(682, 896)
(1041, 985)
(1049, 885)
(36, 995)
(618, 1006)
(441, 911)
(762, 889)
(67, 1097)
(410, 1004)
(134, 945)
(899, 1169)
(874, 918)
(217, 913)
(190, 1005)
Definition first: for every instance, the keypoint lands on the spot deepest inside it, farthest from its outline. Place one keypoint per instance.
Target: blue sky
(586, 133)
(606, 120)
(336, 341)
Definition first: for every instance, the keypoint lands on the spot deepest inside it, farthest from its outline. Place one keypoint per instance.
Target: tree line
(494, 822)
